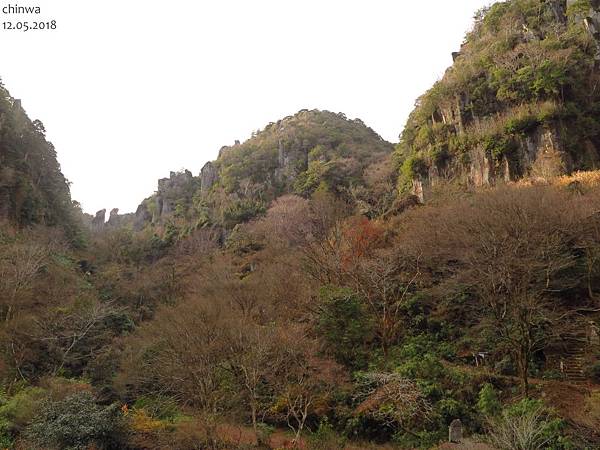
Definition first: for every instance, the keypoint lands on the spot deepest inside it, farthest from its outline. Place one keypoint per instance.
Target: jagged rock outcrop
(114, 215)
(178, 186)
(99, 220)
(119, 220)
(142, 216)
(176, 190)
(209, 175)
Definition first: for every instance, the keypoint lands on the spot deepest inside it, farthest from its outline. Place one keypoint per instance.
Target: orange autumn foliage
(361, 236)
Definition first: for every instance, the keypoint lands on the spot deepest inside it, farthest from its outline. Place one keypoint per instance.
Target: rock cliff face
(179, 185)
(517, 102)
(173, 191)
(539, 153)
(588, 12)
(290, 163)
(99, 220)
(209, 175)
(143, 216)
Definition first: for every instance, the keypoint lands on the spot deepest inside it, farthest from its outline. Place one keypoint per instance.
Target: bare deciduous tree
(20, 263)
(514, 249)
(391, 399)
(65, 330)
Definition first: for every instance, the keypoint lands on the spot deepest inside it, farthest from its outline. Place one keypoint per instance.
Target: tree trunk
(254, 424)
(523, 367)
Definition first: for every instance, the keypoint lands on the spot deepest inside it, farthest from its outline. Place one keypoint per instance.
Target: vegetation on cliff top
(525, 64)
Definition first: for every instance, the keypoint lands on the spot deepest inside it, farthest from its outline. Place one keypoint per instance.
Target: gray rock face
(290, 163)
(559, 10)
(591, 21)
(223, 150)
(208, 176)
(114, 214)
(540, 155)
(99, 219)
(171, 189)
(114, 220)
(142, 217)
(179, 187)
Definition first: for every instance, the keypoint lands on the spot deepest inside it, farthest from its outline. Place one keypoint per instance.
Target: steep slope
(520, 100)
(299, 154)
(33, 189)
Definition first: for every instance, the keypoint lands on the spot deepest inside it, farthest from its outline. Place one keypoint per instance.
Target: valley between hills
(317, 287)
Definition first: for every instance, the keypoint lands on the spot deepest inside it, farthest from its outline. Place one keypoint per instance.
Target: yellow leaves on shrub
(141, 422)
(588, 179)
(580, 181)
(280, 404)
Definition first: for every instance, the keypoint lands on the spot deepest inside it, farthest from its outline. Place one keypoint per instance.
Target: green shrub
(158, 407)
(579, 8)
(325, 438)
(494, 16)
(413, 347)
(499, 146)
(414, 166)
(17, 411)
(424, 138)
(76, 423)
(421, 439)
(242, 211)
(345, 325)
(548, 112)
(440, 155)
(488, 402)
(263, 434)
(521, 125)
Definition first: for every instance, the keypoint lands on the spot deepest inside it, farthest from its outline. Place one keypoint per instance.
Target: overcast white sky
(129, 90)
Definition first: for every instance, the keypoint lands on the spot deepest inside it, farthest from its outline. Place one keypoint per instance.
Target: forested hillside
(314, 288)
(300, 154)
(32, 188)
